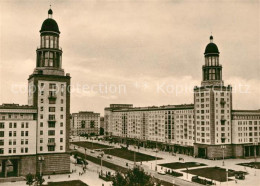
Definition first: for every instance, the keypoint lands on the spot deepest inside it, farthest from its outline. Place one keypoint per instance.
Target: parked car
(92, 151)
(109, 156)
(99, 156)
(162, 172)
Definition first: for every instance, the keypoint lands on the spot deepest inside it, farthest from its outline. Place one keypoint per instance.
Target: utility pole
(223, 150)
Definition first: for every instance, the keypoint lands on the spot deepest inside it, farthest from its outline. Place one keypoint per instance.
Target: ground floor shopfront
(226, 151)
(15, 166)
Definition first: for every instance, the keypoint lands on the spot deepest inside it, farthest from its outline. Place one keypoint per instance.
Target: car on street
(162, 172)
(92, 151)
(109, 157)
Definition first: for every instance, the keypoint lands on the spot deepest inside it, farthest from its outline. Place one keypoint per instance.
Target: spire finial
(211, 38)
(50, 12)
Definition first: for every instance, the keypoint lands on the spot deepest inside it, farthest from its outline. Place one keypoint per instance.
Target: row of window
(14, 125)
(13, 133)
(51, 132)
(13, 150)
(13, 142)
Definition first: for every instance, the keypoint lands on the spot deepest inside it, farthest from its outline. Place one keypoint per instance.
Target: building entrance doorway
(8, 168)
(202, 152)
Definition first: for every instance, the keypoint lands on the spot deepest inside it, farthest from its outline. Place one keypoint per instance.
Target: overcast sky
(140, 52)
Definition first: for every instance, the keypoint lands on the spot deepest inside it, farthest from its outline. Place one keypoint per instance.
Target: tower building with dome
(34, 138)
(48, 91)
(212, 107)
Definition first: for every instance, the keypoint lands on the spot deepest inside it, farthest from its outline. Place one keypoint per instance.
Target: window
(61, 131)
(14, 150)
(61, 109)
(51, 148)
(22, 150)
(22, 133)
(15, 125)
(9, 150)
(52, 86)
(41, 132)
(61, 116)
(14, 133)
(61, 101)
(10, 142)
(41, 148)
(51, 125)
(61, 140)
(26, 149)
(1, 151)
(211, 74)
(51, 140)
(61, 124)
(51, 109)
(51, 42)
(10, 133)
(61, 147)
(22, 125)
(10, 125)
(2, 142)
(42, 92)
(41, 124)
(27, 124)
(41, 116)
(26, 133)
(14, 142)
(51, 132)
(22, 141)
(47, 39)
(2, 125)
(41, 100)
(52, 117)
(41, 108)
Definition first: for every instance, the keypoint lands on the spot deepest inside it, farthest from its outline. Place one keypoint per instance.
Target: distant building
(204, 129)
(85, 122)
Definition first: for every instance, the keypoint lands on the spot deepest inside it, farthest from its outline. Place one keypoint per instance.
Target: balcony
(51, 144)
(222, 120)
(51, 121)
(52, 97)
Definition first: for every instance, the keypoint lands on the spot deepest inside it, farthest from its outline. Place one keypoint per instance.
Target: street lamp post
(223, 150)
(156, 159)
(255, 144)
(41, 159)
(101, 163)
(85, 156)
(134, 157)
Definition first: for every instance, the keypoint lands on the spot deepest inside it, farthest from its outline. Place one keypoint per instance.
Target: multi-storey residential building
(246, 132)
(169, 125)
(85, 122)
(49, 92)
(17, 140)
(207, 129)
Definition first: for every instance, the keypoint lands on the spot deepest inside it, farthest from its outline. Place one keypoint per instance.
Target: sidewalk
(90, 177)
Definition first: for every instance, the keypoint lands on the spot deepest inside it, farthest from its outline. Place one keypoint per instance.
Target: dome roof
(211, 48)
(50, 25)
